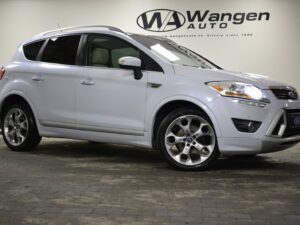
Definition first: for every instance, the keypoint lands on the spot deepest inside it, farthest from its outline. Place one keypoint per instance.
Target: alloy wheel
(16, 127)
(190, 140)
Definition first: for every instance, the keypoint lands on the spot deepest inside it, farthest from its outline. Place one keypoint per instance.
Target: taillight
(2, 72)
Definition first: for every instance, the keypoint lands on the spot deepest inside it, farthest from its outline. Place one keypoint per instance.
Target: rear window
(32, 50)
(61, 50)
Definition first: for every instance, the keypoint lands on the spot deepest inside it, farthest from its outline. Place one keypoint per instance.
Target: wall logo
(161, 20)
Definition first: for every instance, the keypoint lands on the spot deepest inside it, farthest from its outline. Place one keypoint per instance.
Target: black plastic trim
(291, 128)
(243, 125)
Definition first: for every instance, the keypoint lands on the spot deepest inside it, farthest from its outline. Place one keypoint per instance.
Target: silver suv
(101, 84)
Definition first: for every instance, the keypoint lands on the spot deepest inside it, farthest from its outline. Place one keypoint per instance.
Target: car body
(103, 95)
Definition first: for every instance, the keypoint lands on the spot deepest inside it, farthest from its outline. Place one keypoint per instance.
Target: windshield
(174, 53)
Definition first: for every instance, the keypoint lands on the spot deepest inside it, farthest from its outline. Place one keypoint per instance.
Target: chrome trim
(274, 123)
(71, 29)
(291, 95)
(73, 126)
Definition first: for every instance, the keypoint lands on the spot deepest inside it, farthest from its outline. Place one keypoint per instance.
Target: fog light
(248, 126)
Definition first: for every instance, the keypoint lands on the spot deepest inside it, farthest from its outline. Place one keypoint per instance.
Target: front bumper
(272, 144)
(270, 137)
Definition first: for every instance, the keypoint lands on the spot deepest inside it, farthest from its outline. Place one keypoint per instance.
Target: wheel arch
(167, 106)
(13, 98)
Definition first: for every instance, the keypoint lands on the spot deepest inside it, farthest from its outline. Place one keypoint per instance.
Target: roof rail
(79, 27)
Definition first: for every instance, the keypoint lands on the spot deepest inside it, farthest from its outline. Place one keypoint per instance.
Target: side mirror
(133, 63)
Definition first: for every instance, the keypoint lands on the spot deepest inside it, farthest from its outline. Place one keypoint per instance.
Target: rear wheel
(19, 128)
(187, 140)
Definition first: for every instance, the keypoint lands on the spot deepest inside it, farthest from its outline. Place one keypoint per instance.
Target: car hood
(206, 75)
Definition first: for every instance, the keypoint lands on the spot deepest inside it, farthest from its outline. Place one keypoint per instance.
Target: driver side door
(109, 98)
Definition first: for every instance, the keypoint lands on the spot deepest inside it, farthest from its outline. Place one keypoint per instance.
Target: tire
(19, 129)
(187, 140)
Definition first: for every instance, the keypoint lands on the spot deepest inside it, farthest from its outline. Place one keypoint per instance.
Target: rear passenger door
(54, 82)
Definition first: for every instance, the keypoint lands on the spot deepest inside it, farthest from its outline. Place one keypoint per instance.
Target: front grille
(285, 92)
(293, 123)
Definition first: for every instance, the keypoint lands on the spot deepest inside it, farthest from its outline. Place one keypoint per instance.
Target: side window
(32, 50)
(105, 51)
(61, 50)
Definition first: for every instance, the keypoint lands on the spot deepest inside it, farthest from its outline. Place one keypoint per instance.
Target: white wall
(273, 49)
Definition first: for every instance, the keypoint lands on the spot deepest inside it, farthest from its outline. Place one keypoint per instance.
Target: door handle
(37, 78)
(153, 85)
(88, 82)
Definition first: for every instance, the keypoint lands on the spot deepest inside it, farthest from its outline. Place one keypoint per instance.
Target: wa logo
(161, 20)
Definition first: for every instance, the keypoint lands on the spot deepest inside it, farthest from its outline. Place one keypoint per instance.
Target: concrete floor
(74, 182)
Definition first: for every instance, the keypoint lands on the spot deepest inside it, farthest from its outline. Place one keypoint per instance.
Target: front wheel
(19, 128)
(187, 140)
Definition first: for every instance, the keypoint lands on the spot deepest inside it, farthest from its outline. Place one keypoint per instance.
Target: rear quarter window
(32, 50)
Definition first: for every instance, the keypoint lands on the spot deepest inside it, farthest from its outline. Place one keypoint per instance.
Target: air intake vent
(285, 92)
(293, 123)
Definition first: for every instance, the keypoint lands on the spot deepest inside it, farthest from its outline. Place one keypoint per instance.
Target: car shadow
(101, 151)
(258, 162)
(127, 154)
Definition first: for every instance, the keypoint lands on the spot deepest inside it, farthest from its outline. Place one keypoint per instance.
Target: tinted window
(32, 50)
(105, 51)
(61, 50)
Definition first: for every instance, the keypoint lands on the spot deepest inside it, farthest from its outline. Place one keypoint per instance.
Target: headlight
(236, 90)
